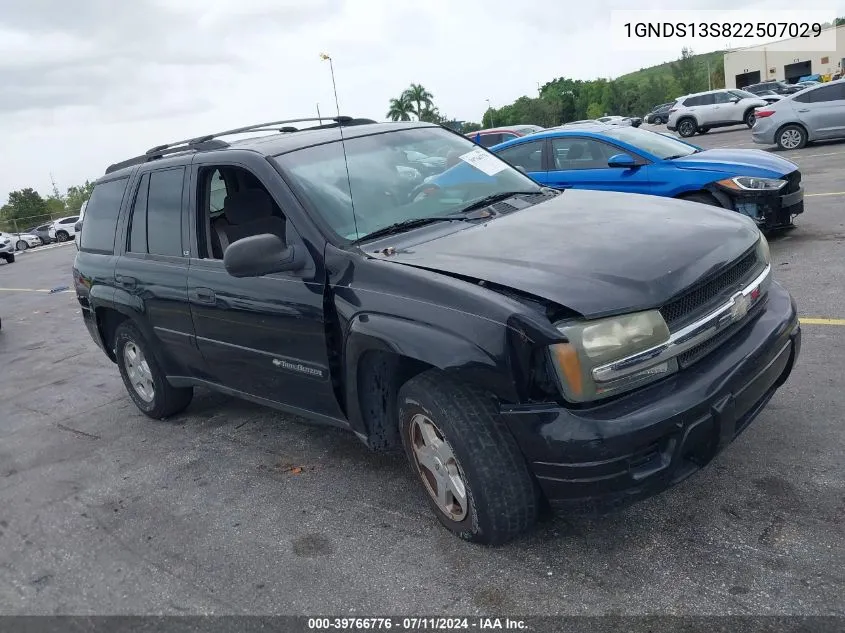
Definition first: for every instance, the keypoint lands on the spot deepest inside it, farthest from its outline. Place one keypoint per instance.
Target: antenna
(327, 57)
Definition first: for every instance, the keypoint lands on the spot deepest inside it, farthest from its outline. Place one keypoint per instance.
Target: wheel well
(747, 110)
(687, 117)
(62, 231)
(108, 321)
(697, 194)
(380, 375)
(799, 125)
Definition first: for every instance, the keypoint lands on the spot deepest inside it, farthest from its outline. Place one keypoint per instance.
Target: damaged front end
(771, 209)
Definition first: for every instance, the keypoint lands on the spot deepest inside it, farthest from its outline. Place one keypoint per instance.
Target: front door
(262, 336)
(823, 110)
(581, 162)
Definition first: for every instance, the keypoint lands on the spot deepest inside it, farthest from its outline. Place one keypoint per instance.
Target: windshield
(397, 176)
(655, 144)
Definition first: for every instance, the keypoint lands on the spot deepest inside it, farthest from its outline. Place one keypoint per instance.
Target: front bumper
(770, 210)
(651, 439)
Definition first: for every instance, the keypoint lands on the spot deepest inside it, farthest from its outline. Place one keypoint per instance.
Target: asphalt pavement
(231, 508)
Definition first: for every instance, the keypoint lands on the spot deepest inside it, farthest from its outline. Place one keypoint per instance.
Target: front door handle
(804, 110)
(205, 295)
(126, 282)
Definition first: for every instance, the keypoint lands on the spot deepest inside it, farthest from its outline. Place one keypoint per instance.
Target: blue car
(753, 182)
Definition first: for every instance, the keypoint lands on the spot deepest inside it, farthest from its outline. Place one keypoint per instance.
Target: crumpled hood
(594, 252)
(738, 162)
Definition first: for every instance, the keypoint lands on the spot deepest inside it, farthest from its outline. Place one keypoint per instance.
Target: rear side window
(101, 216)
(156, 223)
(489, 140)
(835, 92)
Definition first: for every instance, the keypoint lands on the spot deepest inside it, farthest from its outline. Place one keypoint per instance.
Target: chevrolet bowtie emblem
(739, 307)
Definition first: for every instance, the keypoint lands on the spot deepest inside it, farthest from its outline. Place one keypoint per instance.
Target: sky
(86, 83)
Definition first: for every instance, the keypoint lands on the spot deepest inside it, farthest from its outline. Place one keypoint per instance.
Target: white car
(697, 113)
(615, 120)
(7, 247)
(64, 229)
(24, 241)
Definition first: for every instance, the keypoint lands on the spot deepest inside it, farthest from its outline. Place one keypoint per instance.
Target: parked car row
(59, 230)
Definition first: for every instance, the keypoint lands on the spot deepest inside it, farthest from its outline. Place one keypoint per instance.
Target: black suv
(522, 344)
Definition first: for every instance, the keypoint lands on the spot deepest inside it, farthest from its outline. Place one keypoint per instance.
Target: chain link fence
(21, 225)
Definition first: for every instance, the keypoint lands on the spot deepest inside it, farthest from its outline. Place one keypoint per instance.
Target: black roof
(286, 140)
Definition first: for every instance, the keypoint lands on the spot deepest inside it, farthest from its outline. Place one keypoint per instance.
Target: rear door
(823, 110)
(581, 162)
(152, 272)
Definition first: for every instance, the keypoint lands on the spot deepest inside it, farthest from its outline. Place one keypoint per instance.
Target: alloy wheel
(138, 371)
(790, 139)
(438, 468)
(21, 245)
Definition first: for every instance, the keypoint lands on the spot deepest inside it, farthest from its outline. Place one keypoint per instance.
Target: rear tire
(21, 245)
(791, 137)
(474, 475)
(144, 378)
(687, 127)
(750, 118)
(62, 236)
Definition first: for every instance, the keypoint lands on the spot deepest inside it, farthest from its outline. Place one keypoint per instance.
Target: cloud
(86, 83)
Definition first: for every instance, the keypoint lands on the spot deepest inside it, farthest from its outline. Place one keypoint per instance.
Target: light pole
(328, 58)
(490, 110)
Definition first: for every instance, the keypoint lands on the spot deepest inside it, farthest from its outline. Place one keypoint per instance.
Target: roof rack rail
(212, 141)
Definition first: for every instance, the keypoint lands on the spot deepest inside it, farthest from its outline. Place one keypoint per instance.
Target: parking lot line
(820, 321)
(829, 193)
(48, 291)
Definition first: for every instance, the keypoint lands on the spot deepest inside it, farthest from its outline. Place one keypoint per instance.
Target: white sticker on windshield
(484, 161)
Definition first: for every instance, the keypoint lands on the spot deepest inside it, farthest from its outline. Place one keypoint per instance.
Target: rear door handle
(804, 110)
(126, 282)
(205, 295)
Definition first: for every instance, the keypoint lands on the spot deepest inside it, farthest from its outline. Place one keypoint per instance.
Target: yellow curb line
(832, 193)
(819, 321)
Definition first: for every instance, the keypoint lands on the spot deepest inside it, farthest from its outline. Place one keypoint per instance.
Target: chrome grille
(711, 293)
(702, 349)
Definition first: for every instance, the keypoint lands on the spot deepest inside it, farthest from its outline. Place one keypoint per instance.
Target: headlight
(595, 343)
(750, 183)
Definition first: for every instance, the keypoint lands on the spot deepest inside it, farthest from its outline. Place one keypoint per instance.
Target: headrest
(248, 205)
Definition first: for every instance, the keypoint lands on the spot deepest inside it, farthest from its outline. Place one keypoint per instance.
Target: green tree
(470, 126)
(421, 98)
(400, 109)
(55, 207)
(76, 195)
(25, 204)
(688, 72)
(594, 111)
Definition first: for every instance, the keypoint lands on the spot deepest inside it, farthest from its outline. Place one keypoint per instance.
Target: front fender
(427, 344)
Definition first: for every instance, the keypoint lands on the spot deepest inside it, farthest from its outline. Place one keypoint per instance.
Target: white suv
(64, 228)
(715, 108)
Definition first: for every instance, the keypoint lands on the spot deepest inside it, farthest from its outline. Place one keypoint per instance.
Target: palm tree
(420, 97)
(400, 109)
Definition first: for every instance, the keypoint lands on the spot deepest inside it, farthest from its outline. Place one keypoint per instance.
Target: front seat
(245, 213)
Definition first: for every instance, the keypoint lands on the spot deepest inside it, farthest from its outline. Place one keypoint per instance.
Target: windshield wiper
(496, 197)
(405, 225)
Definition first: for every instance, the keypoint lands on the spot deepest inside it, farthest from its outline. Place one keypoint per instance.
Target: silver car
(814, 114)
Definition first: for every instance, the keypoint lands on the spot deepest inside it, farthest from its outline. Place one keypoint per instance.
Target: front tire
(687, 128)
(62, 236)
(144, 378)
(466, 459)
(21, 245)
(9, 257)
(703, 130)
(791, 137)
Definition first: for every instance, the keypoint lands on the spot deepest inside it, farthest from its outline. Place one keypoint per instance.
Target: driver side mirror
(624, 161)
(259, 255)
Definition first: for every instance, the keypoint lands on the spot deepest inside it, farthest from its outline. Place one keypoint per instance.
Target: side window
(489, 140)
(529, 156)
(805, 97)
(708, 99)
(156, 222)
(692, 101)
(216, 192)
(581, 153)
(234, 204)
(828, 93)
(506, 136)
(101, 216)
(722, 97)
(138, 219)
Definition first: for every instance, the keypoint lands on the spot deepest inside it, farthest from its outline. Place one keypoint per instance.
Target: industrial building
(782, 60)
